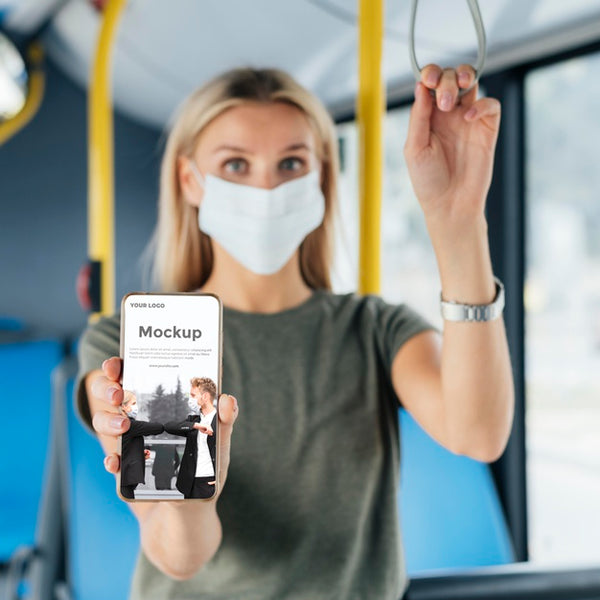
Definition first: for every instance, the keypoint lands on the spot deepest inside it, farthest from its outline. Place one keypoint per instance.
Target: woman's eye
(235, 165)
(291, 164)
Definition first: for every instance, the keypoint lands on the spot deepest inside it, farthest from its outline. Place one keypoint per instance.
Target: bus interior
(526, 527)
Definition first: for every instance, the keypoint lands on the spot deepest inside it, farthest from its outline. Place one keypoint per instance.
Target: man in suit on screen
(197, 475)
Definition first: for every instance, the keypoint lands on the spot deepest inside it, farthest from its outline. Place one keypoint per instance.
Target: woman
(133, 453)
(309, 506)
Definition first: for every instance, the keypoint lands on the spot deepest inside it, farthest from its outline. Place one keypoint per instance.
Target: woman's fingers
(107, 389)
(112, 368)
(485, 107)
(112, 463)
(430, 76)
(228, 412)
(105, 395)
(109, 423)
(446, 94)
(419, 125)
(465, 75)
(447, 83)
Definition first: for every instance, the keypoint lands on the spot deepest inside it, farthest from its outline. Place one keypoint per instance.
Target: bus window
(345, 265)
(408, 268)
(562, 313)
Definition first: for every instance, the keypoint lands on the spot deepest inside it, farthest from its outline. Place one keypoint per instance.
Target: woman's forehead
(255, 126)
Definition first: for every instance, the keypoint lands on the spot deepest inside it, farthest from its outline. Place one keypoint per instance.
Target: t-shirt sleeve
(98, 342)
(394, 326)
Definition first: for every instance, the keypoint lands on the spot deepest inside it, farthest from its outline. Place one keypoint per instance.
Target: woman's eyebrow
(298, 146)
(290, 148)
(229, 148)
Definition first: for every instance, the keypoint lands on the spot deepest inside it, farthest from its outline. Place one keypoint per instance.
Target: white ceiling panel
(166, 49)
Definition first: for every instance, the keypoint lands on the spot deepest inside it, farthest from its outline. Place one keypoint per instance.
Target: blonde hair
(205, 384)
(128, 398)
(183, 254)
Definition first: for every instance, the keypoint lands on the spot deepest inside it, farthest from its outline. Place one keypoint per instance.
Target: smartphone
(171, 346)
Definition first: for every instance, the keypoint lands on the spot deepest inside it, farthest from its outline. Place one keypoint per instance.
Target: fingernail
(235, 404)
(470, 113)
(117, 422)
(104, 363)
(111, 392)
(446, 101)
(463, 77)
(431, 78)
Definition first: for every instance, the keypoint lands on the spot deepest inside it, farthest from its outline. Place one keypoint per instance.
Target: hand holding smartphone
(171, 346)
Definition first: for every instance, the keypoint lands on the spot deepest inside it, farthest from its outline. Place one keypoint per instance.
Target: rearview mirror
(13, 80)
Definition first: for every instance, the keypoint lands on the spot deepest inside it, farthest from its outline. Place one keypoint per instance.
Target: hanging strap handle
(481, 42)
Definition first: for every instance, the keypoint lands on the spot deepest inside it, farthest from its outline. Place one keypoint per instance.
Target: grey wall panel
(43, 227)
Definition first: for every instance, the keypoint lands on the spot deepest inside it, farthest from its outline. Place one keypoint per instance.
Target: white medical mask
(132, 413)
(193, 404)
(260, 228)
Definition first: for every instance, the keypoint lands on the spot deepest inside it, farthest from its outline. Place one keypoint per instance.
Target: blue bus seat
(450, 512)
(25, 405)
(102, 533)
(11, 325)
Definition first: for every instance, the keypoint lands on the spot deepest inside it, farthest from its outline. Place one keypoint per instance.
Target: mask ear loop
(199, 177)
(481, 43)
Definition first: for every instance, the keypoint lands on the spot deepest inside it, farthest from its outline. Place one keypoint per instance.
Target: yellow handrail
(101, 245)
(35, 94)
(370, 112)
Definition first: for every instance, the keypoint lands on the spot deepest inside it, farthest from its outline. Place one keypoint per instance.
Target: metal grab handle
(481, 42)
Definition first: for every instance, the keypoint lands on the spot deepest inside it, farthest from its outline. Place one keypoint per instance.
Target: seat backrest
(450, 512)
(25, 406)
(102, 533)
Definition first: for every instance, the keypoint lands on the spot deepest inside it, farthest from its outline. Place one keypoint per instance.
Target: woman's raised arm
(462, 391)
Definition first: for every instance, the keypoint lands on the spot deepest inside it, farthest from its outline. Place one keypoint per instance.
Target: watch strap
(454, 311)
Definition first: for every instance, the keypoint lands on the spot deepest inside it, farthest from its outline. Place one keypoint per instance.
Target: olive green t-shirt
(309, 510)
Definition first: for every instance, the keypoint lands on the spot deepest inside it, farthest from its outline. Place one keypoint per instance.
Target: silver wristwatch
(453, 311)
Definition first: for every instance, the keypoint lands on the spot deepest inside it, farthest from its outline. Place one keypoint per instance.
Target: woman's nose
(264, 179)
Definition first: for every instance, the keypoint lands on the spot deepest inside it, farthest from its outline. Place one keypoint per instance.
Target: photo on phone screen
(171, 350)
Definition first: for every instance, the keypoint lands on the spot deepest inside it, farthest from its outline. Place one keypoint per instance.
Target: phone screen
(171, 350)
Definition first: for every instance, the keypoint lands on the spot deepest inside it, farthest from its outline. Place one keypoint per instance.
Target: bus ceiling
(160, 51)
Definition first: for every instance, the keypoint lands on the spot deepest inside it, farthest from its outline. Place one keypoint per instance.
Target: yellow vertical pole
(101, 245)
(370, 112)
